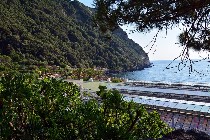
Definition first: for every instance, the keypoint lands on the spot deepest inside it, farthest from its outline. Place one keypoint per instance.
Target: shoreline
(93, 85)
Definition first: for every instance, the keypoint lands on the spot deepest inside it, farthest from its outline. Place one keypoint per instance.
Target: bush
(116, 80)
(53, 109)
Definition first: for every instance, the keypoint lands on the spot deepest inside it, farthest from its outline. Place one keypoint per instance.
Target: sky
(165, 48)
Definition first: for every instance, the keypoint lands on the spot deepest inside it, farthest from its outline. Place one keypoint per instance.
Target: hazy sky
(165, 47)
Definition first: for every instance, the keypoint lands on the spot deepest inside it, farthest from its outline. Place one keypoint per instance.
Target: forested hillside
(60, 32)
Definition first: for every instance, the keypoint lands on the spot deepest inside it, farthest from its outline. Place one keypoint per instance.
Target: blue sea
(168, 71)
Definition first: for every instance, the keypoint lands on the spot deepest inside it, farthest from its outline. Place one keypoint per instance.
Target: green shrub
(53, 109)
(116, 80)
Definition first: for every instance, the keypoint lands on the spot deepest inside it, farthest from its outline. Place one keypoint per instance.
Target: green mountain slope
(60, 32)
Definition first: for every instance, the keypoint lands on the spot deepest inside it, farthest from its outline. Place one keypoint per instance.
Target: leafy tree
(32, 107)
(54, 109)
(165, 14)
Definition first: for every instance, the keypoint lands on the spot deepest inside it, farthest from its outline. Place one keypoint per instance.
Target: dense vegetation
(36, 33)
(53, 109)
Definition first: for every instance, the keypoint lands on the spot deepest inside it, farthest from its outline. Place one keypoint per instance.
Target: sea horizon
(169, 71)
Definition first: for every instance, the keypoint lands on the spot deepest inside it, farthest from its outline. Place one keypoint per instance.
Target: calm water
(176, 72)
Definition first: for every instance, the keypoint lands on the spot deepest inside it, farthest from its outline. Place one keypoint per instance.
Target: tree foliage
(193, 15)
(53, 109)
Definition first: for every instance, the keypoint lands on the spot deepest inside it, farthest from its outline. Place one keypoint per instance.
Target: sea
(188, 72)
